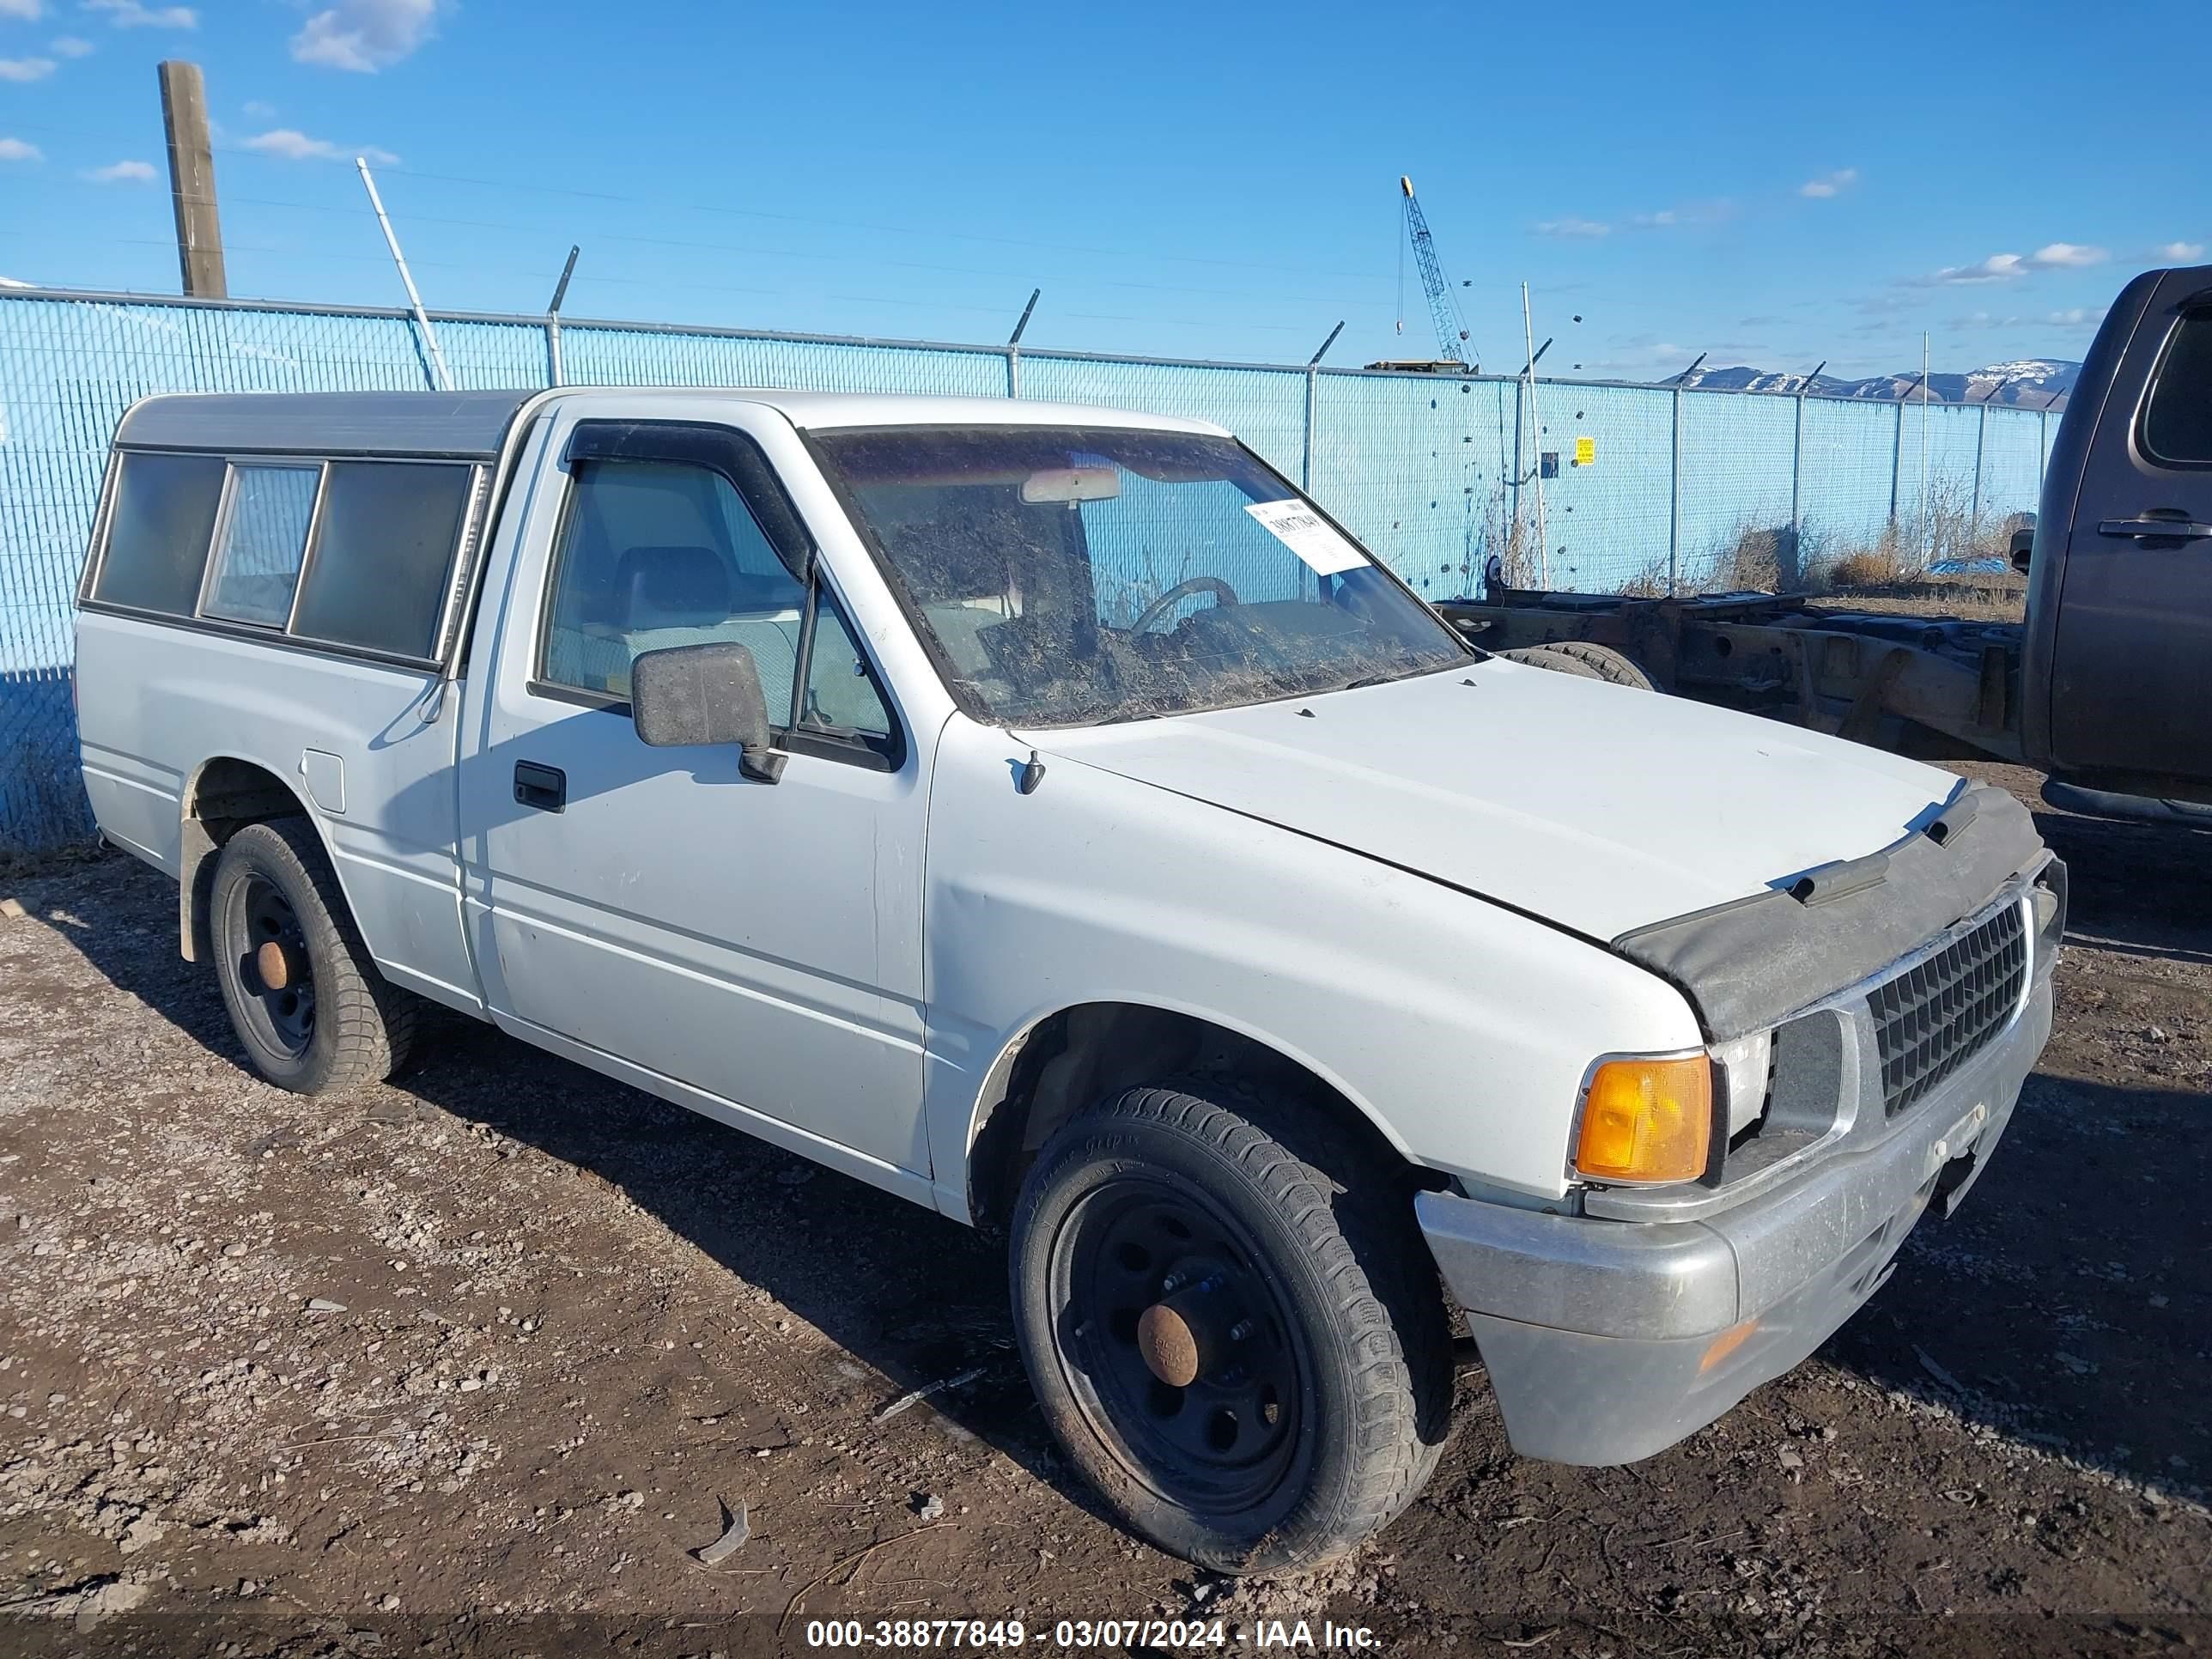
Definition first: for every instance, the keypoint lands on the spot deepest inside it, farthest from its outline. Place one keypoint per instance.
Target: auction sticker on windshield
(1309, 535)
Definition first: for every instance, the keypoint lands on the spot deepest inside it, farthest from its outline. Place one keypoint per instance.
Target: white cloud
(26, 68)
(24, 11)
(2011, 267)
(2179, 253)
(1571, 226)
(122, 173)
(295, 146)
(1998, 268)
(1830, 184)
(365, 35)
(10, 281)
(2070, 317)
(2066, 256)
(70, 45)
(135, 15)
(258, 110)
(1689, 213)
(14, 149)
(1641, 355)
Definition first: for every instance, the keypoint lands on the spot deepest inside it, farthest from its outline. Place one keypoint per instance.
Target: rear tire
(1584, 660)
(1543, 657)
(308, 1003)
(1295, 1392)
(1607, 663)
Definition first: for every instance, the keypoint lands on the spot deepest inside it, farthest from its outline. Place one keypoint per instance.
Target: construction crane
(1452, 342)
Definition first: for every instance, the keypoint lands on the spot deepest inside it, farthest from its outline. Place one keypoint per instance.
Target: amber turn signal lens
(1647, 1120)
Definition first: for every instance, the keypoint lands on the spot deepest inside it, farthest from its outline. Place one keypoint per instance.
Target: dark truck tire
(314, 1015)
(1233, 1323)
(1586, 660)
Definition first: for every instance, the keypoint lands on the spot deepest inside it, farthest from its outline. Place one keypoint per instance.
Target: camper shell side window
(360, 556)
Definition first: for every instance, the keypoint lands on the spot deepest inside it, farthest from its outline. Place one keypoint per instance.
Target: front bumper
(1609, 1340)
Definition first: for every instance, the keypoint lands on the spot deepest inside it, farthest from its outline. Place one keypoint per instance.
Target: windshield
(1072, 575)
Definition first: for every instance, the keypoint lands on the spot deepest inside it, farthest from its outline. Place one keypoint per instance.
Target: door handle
(545, 787)
(2152, 529)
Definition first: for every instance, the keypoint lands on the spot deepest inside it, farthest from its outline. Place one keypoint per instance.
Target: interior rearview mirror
(1056, 484)
(710, 693)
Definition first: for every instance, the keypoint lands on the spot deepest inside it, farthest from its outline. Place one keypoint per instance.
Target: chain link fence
(1569, 485)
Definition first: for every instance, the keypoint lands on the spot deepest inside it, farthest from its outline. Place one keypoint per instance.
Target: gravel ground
(473, 1363)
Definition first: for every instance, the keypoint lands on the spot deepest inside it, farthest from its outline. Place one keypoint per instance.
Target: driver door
(751, 948)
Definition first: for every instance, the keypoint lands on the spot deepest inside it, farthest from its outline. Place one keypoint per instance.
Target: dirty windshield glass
(1071, 577)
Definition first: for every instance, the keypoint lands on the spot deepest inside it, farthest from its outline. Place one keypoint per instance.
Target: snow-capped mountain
(2032, 382)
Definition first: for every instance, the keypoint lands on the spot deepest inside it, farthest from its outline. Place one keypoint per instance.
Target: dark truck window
(2178, 420)
(384, 555)
(264, 535)
(159, 531)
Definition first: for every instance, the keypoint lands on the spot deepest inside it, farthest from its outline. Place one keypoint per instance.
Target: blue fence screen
(1595, 486)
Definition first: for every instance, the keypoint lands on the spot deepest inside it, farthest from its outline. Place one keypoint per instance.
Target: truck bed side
(173, 718)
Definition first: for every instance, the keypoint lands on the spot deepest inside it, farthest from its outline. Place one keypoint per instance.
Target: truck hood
(1593, 806)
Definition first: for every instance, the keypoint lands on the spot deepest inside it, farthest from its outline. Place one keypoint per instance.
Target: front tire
(1233, 1324)
(314, 1015)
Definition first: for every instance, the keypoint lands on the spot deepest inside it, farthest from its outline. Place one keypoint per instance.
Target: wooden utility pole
(192, 181)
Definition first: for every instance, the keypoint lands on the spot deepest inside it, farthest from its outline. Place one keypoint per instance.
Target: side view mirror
(690, 695)
(2023, 544)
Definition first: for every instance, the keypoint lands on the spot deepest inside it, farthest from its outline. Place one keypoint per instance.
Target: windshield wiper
(1384, 679)
(1404, 672)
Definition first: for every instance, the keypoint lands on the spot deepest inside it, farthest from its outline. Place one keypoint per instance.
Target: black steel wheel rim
(281, 1016)
(1228, 1438)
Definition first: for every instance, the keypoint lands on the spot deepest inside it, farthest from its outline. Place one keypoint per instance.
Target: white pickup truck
(1050, 815)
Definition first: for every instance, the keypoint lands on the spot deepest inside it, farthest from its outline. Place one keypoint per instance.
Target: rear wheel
(1607, 663)
(1542, 656)
(313, 1013)
(1584, 660)
(1233, 1324)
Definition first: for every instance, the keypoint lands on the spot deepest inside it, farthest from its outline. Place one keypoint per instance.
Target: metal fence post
(1674, 501)
(1981, 443)
(1305, 466)
(1787, 571)
(553, 371)
(1013, 371)
(1515, 478)
(1896, 457)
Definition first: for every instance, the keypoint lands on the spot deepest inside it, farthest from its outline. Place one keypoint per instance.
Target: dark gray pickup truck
(2107, 685)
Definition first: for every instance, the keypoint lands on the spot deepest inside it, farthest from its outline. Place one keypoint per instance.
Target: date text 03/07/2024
(1173, 1635)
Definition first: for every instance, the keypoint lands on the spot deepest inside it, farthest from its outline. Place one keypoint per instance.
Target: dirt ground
(471, 1363)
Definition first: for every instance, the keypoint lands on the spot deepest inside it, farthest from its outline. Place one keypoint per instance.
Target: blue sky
(1770, 184)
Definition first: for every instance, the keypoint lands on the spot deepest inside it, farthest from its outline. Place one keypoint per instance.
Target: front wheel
(308, 1003)
(1233, 1326)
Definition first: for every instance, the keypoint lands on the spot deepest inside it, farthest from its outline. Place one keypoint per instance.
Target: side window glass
(159, 529)
(2177, 420)
(654, 554)
(384, 555)
(264, 536)
(840, 694)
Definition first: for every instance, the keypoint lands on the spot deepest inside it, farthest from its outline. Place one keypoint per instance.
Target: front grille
(1934, 1017)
